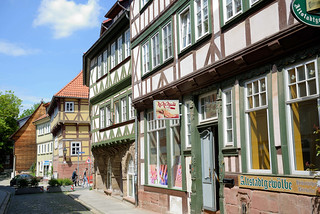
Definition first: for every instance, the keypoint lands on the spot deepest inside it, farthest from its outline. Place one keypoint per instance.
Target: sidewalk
(99, 202)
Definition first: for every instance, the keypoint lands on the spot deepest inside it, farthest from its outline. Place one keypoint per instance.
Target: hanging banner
(280, 184)
(166, 109)
(306, 11)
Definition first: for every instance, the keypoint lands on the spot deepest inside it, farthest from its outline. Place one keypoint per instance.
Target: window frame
(113, 55)
(168, 42)
(203, 33)
(247, 122)
(145, 54)
(289, 101)
(129, 173)
(127, 51)
(224, 117)
(234, 13)
(119, 49)
(188, 8)
(123, 111)
(200, 108)
(131, 108)
(116, 112)
(72, 146)
(105, 62)
(175, 123)
(99, 67)
(102, 117)
(187, 109)
(155, 53)
(69, 103)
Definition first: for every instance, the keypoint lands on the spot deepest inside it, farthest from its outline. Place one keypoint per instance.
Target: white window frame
(39, 147)
(123, 109)
(145, 58)
(167, 41)
(155, 47)
(234, 13)
(113, 55)
(108, 115)
(69, 107)
(200, 107)
(226, 117)
(288, 111)
(120, 52)
(102, 118)
(127, 43)
(51, 147)
(105, 62)
(116, 112)
(99, 67)
(73, 146)
(202, 19)
(247, 121)
(131, 108)
(187, 123)
(174, 123)
(188, 28)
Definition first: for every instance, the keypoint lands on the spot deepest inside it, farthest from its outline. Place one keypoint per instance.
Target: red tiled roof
(75, 88)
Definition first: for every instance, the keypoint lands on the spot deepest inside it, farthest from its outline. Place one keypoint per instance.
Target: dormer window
(69, 107)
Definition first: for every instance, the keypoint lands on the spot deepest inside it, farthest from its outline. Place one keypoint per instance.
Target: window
(109, 175)
(51, 146)
(105, 62)
(257, 125)
(176, 154)
(127, 43)
(69, 107)
(188, 123)
(231, 8)
(108, 116)
(113, 55)
(185, 29)
(75, 148)
(208, 106)
(155, 50)
(131, 108)
(116, 113)
(202, 20)
(102, 118)
(157, 151)
(100, 66)
(167, 41)
(130, 178)
(39, 149)
(120, 58)
(124, 109)
(227, 117)
(302, 107)
(145, 58)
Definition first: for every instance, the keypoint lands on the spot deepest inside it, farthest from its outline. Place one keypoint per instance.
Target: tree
(29, 111)
(9, 112)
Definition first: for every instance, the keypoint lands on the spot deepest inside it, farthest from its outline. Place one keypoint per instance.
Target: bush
(67, 182)
(34, 182)
(53, 182)
(22, 183)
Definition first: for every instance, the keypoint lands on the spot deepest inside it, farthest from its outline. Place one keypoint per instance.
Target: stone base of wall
(257, 201)
(156, 202)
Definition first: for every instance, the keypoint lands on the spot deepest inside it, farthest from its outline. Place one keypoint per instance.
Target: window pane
(312, 87)
(163, 173)
(301, 73)
(176, 159)
(153, 172)
(302, 89)
(260, 157)
(305, 119)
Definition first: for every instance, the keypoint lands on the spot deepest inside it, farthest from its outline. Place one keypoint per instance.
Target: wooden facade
(70, 127)
(25, 147)
(230, 69)
(107, 72)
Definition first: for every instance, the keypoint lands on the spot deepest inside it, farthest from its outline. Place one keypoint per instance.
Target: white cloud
(65, 17)
(13, 49)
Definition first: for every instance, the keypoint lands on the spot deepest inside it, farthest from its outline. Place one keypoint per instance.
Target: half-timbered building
(246, 73)
(107, 72)
(25, 147)
(70, 126)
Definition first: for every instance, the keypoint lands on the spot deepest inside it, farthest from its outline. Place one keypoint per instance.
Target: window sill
(230, 151)
(159, 67)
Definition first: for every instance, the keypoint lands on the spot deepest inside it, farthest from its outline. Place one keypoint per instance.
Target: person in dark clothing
(74, 177)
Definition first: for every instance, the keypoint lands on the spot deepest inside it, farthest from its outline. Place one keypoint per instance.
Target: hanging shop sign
(166, 109)
(306, 11)
(280, 184)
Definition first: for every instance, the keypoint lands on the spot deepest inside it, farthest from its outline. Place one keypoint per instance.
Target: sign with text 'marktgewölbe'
(280, 184)
(307, 11)
(166, 109)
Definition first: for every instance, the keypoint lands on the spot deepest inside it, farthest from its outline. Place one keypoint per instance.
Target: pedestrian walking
(74, 177)
(85, 179)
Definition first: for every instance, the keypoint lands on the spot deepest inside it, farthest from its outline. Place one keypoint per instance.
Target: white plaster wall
(169, 74)
(186, 65)
(175, 204)
(156, 8)
(235, 39)
(91, 93)
(136, 66)
(133, 27)
(226, 165)
(217, 42)
(143, 88)
(148, 85)
(142, 147)
(155, 81)
(202, 55)
(167, 2)
(135, 7)
(264, 23)
(161, 5)
(151, 12)
(135, 91)
(142, 173)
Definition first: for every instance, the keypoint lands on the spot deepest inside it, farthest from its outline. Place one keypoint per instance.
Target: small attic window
(69, 107)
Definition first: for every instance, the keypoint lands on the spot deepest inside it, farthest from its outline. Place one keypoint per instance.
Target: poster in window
(166, 109)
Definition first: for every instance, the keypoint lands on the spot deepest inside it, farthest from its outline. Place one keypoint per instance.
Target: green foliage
(60, 182)
(29, 111)
(53, 182)
(22, 182)
(9, 112)
(34, 182)
(67, 182)
(33, 169)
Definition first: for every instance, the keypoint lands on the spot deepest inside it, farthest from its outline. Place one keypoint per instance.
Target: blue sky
(42, 43)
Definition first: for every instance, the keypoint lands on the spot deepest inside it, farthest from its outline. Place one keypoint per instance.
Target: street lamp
(65, 154)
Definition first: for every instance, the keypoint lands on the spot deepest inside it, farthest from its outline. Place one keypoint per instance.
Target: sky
(42, 43)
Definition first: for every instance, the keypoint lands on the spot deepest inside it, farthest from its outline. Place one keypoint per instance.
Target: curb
(89, 207)
(5, 203)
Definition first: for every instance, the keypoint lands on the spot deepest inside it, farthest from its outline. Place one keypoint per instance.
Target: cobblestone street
(45, 203)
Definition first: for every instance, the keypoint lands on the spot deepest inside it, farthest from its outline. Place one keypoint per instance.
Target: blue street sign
(81, 152)
(46, 163)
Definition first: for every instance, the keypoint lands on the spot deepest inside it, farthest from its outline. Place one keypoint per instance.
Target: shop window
(201, 16)
(227, 112)
(303, 115)
(176, 154)
(208, 106)
(157, 150)
(257, 125)
(130, 178)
